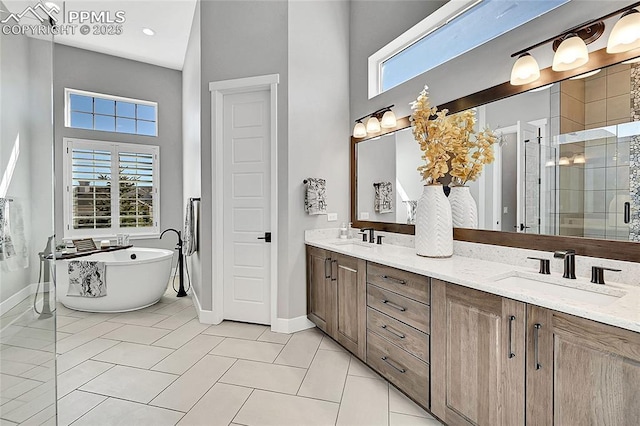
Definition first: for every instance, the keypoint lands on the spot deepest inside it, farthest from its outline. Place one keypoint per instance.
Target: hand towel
(190, 237)
(87, 279)
(384, 197)
(314, 197)
(6, 244)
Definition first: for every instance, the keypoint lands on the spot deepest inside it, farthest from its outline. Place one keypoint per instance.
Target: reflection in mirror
(567, 162)
(392, 159)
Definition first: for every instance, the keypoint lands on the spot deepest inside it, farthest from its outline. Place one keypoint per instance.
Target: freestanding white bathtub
(136, 278)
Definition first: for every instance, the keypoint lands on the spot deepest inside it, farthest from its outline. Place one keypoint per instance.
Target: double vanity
(478, 342)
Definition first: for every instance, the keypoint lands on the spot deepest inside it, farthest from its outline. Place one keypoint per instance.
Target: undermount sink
(577, 291)
(348, 244)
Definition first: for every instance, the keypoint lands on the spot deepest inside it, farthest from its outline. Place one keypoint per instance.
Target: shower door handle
(266, 238)
(627, 212)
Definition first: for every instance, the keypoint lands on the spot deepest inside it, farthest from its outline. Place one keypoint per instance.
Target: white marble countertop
(621, 311)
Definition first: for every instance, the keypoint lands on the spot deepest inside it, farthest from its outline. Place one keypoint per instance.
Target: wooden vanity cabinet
(336, 297)
(580, 372)
(477, 357)
(319, 294)
(398, 325)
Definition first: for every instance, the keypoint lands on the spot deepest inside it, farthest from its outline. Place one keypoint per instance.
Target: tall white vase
(464, 210)
(434, 228)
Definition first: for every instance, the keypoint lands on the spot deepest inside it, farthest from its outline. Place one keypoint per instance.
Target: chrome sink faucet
(569, 257)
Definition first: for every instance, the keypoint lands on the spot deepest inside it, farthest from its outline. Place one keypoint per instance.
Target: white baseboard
(18, 297)
(292, 325)
(205, 316)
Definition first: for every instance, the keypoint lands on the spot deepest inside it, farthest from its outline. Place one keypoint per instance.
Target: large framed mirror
(566, 173)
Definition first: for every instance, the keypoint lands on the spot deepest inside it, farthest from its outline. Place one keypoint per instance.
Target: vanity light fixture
(373, 125)
(384, 118)
(359, 130)
(525, 70)
(579, 159)
(625, 34)
(550, 163)
(571, 45)
(564, 161)
(541, 88)
(632, 61)
(571, 53)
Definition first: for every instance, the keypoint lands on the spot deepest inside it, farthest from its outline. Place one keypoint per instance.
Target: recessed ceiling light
(585, 75)
(632, 61)
(148, 31)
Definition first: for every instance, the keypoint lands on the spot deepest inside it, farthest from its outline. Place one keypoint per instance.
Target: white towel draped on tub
(314, 197)
(384, 197)
(87, 279)
(190, 241)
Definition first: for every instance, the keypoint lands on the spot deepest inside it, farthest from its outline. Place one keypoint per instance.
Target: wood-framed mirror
(590, 221)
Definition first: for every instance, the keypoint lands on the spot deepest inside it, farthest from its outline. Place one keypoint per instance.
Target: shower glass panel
(596, 198)
(27, 290)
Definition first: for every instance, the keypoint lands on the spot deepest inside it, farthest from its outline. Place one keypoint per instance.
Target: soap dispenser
(350, 231)
(343, 231)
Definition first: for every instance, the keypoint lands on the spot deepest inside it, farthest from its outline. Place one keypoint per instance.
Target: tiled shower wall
(594, 193)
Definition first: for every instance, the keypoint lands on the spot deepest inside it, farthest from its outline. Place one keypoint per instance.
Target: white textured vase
(464, 210)
(434, 229)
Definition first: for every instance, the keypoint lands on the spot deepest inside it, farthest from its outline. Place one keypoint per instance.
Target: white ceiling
(170, 19)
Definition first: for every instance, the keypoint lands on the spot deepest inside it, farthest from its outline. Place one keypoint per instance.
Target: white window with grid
(110, 188)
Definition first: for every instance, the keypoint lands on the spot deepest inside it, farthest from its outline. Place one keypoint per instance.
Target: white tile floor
(161, 366)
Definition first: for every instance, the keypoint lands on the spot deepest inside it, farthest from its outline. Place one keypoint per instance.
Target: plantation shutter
(91, 188)
(136, 189)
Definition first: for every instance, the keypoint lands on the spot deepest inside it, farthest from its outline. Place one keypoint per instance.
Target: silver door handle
(395, 280)
(511, 320)
(393, 305)
(392, 331)
(536, 331)
(388, 361)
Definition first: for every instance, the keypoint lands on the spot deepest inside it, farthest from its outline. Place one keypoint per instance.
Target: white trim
(293, 325)
(115, 148)
(16, 298)
(437, 19)
(218, 90)
(204, 316)
(67, 107)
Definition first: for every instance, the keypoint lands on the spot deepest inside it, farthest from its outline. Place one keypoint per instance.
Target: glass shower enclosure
(27, 290)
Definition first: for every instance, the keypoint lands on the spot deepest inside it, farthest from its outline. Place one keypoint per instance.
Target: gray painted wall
(240, 39)
(318, 131)
(306, 43)
(191, 170)
(85, 70)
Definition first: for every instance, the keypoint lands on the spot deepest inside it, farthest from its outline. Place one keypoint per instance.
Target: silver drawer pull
(395, 280)
(393, 305)
(385, 359)
(392, 331)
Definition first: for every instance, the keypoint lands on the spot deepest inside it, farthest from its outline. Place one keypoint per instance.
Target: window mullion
(115, 189)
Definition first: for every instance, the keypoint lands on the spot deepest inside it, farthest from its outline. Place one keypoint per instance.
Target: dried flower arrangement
(449, 137)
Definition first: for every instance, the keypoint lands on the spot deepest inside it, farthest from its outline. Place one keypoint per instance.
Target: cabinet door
(477, 357)
(586, 373)
(350, 286)
(319, 294)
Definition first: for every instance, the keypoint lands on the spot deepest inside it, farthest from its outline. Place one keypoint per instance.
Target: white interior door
(246, 211)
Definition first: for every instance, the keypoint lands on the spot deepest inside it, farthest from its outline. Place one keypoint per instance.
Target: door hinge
(539, 181)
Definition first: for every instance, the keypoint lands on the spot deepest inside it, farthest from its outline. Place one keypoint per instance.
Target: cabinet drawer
(411, 285)
(399, 307)
(399, 367)
(400, 334)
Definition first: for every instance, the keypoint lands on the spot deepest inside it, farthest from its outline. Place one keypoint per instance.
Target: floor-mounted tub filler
(135, 278)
